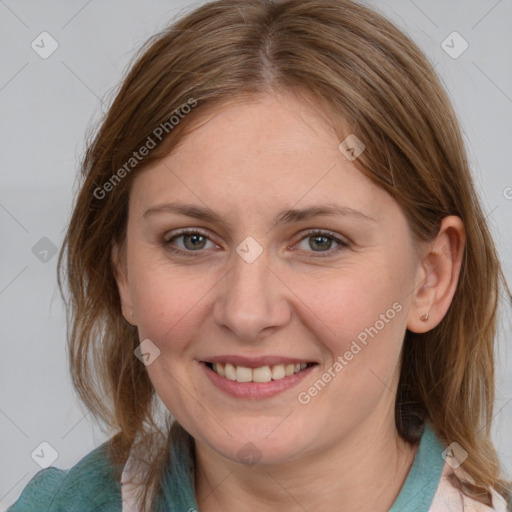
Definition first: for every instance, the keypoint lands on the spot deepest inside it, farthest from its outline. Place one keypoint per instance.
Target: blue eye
(323, 241)
(194, 241)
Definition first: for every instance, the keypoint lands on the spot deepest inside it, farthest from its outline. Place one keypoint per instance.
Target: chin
(278, 448)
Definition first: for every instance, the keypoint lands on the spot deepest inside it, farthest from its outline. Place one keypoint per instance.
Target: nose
(252, 301)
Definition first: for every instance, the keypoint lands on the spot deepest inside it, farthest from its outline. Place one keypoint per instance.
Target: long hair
(375, 81)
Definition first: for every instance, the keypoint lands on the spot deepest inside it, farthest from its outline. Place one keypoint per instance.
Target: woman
(278, 242)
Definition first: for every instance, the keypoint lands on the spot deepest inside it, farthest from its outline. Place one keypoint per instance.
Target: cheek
(359, 316)
(360, 320)
(354, 304)
(168, 301)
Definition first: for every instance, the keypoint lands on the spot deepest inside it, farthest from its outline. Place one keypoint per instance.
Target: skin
(248, 162)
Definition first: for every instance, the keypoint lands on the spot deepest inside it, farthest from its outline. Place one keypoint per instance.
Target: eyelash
(313, 232)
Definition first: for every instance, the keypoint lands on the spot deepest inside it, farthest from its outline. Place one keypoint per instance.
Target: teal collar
(421, 483)
(416, 494)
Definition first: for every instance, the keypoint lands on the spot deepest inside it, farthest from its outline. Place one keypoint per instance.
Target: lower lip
(255, 390)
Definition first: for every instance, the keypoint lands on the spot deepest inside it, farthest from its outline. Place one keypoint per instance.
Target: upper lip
(256, 362)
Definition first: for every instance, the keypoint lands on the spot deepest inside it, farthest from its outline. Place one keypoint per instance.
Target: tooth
(229, 370)
(243, 374)
(219, 368)
(262, 374)
(278, 372)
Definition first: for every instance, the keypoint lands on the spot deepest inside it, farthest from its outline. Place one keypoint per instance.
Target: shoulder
(91, 485)
(449, 499)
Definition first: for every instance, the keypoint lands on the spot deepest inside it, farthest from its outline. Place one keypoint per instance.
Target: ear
(121, 275)
(437, 275)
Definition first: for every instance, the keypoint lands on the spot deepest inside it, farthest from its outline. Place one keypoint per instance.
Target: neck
(364, 471)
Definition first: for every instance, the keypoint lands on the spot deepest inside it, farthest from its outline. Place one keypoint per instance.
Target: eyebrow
(284, 217)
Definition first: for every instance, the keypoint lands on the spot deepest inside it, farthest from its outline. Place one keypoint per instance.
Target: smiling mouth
(261, 374)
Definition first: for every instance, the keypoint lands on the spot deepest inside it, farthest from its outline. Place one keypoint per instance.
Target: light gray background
(48, 105)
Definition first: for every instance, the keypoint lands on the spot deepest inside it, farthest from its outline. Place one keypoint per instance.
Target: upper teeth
(261, 374)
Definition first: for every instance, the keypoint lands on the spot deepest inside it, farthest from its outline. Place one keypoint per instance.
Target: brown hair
(375, 81)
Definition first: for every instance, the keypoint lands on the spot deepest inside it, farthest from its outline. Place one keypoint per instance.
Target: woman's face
(258, 293)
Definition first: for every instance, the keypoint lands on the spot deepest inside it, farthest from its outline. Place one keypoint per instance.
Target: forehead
(269, 153)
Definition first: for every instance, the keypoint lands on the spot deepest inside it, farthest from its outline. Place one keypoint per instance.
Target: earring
(424, 317)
